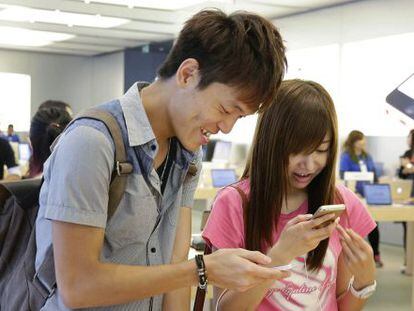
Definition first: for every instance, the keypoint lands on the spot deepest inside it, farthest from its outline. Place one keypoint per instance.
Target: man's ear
(188, 73)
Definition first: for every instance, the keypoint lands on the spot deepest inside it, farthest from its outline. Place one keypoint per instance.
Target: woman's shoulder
(347, 195)
(230, 195)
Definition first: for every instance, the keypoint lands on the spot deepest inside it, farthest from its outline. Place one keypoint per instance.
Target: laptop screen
(223, 177)
(378, 194)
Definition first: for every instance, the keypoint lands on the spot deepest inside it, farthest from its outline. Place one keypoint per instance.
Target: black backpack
(21, 288)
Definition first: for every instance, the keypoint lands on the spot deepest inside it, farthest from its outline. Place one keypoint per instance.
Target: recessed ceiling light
(161, 5)
(23, 14)
(26, 37)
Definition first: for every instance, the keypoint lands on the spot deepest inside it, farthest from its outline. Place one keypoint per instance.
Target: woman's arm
(356, 259)
(298, 237)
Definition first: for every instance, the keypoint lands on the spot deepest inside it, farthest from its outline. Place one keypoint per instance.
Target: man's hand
(239, 269)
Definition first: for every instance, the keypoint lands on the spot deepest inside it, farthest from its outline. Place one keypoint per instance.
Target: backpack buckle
(42, 286)
(123, 168)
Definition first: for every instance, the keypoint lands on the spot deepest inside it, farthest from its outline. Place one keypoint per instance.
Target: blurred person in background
(355, 158)
(46, 125)
(7, 158)
(11, 135)
(58, 105)
(406, 171)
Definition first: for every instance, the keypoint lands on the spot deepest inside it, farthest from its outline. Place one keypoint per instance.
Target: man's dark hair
(241, 50)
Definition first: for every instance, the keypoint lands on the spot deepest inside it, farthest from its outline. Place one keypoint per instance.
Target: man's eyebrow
(243, 111)
(238, 108)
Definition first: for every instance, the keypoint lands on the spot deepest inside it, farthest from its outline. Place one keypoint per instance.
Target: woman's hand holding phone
(300, 236)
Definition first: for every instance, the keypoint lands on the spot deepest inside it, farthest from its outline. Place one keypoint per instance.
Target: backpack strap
(122, 168)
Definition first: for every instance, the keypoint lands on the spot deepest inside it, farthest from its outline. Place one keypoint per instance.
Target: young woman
(291, 172)
(355, 158)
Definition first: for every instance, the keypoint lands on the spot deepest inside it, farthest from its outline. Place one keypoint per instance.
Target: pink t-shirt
(303, 290)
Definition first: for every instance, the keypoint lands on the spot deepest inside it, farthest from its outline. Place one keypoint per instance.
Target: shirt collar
(138, 126)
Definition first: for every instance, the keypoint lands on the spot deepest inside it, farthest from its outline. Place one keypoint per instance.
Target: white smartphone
(336, 209)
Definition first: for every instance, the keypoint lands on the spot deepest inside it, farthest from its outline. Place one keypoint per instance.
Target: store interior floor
(394, 289)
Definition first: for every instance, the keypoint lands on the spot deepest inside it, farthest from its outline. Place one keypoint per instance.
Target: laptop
(401, 190)
(378, 194)
(223, 177)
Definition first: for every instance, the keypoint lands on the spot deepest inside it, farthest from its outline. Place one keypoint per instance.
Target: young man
(220, 69)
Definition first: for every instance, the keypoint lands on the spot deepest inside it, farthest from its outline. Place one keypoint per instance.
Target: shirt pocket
(135, 217)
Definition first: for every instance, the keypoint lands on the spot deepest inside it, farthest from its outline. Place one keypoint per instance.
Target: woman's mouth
(303, 178)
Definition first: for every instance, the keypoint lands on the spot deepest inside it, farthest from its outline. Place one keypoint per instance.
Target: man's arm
(84, 281)
(180, 299)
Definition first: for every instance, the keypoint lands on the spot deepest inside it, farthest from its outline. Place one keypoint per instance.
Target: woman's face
(360, 145)
(303, 168)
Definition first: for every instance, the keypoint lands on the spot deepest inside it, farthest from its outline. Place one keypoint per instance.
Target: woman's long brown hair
(302, 114)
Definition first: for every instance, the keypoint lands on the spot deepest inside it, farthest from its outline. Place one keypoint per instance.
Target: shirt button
(153, 250)
(153, 147)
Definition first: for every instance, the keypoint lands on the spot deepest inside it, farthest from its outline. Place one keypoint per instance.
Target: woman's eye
(322, 150)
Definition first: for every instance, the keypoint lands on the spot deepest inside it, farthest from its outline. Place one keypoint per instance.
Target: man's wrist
(201, 271)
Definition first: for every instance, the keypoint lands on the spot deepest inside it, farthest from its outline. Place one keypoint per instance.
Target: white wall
(360, 52)
(80, 81)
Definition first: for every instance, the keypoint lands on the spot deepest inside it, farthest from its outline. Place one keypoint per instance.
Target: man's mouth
(204, 136)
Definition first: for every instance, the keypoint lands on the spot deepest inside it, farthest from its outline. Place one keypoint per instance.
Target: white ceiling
(145, 25)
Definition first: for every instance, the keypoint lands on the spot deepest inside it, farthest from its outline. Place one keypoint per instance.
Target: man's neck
(155, 100)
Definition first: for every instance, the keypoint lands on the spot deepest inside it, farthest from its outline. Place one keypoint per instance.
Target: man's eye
(225, 111)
